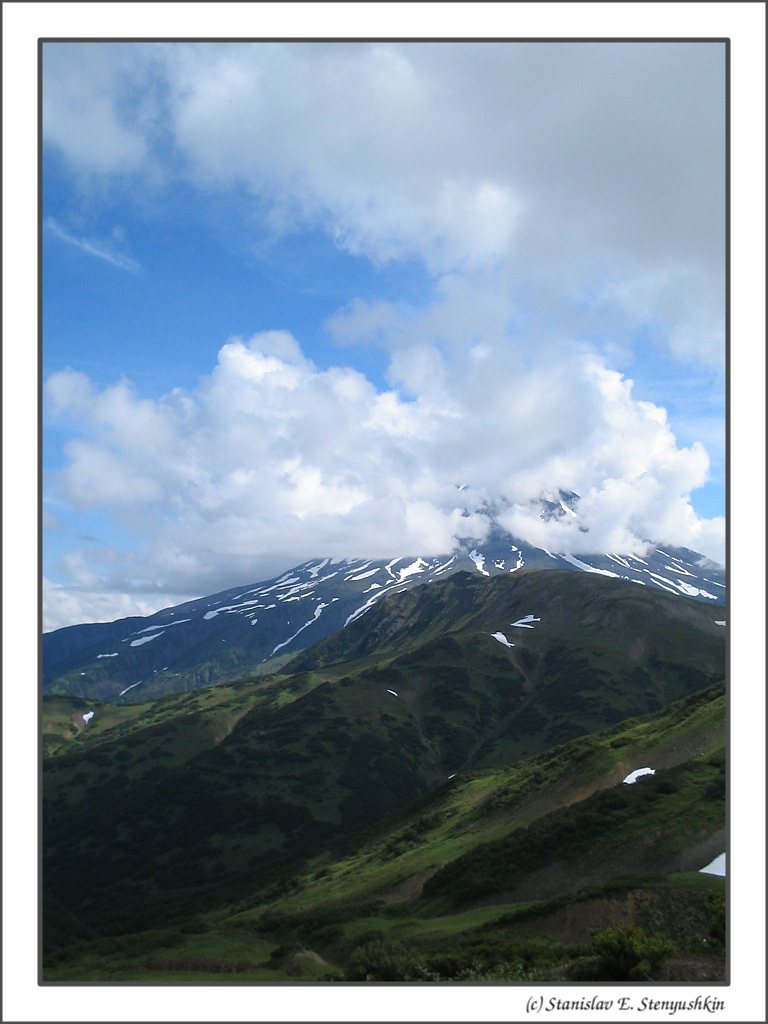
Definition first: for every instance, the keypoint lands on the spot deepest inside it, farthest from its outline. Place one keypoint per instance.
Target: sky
(295, 295)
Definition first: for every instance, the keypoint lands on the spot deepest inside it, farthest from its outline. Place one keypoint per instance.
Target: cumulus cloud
(272, 460)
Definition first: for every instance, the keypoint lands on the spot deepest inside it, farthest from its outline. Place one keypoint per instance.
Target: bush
(513, 971)
(385, 961)
(628, 954)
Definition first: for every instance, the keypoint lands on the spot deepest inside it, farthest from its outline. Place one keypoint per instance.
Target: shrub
(385, 961)
(628, 954)
(513, 971)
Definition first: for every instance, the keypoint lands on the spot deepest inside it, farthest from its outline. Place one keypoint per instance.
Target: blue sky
(292, 293)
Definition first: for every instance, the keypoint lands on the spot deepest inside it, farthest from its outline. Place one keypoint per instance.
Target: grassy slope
(338, 902)
(199, 790)
(602, 651)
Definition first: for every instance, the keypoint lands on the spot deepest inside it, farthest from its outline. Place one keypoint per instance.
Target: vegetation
(304, 825)
(628, 954)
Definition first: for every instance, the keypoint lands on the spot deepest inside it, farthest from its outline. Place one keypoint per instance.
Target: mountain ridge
(257, 628)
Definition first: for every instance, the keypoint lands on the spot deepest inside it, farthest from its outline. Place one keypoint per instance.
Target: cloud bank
(565, 205)
(272, 460)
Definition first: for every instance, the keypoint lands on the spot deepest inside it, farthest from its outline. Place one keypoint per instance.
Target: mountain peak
(257, 627)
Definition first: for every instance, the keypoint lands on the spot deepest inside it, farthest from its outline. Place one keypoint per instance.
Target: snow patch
(288, 595)
(410, 570)
(715, 867)
(145, 639)
(358, 568)
(358, 612)
(479, 561)
(107, 655)
(589, 568)
(679, 586)
(526, 622)
(662, 582)
(638, 773)
(362, 575)
(388, 566)
(132, 686)
(314, 618)
(284, 581)
(163, 625)
(502, 639)
(392, 692)
(719, 622)
(313, 570)
(620, 561)
(679, 569)
(88, 716)
(686, 588)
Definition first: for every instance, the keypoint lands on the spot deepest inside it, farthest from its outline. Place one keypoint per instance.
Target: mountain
(308, 826)
(258, 627)
(171, 809)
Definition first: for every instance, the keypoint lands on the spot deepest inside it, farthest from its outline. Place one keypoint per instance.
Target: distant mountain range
(258, 627)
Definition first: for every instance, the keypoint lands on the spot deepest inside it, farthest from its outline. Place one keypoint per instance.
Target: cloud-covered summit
(271, 460)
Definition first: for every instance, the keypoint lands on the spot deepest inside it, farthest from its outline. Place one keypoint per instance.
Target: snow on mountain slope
(253, 628)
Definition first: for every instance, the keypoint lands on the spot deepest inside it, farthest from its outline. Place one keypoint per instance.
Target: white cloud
(349, 136)
(87, 110)
(583, 169)
(102, 250)
(271, 461)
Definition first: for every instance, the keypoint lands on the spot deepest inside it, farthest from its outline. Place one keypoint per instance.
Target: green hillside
(237, 811)
(398, 886)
